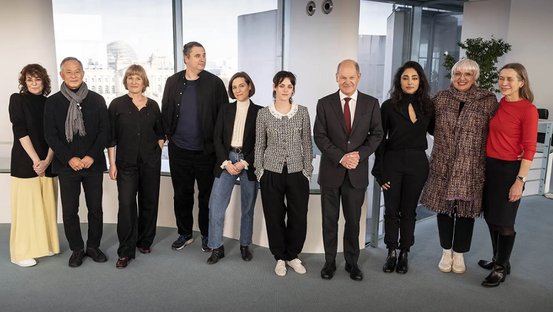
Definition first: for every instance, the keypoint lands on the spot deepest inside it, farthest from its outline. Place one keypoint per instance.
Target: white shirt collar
(279, 115)
(353, 96)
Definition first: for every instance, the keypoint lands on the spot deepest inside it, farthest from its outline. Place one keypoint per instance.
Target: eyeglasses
(466, 75)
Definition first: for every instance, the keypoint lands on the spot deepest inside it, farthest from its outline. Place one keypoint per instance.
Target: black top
(211, 95)
(188, 134)
(27, 115)
(224, 129)
(96, 122)
(400, 132)
(135, 132)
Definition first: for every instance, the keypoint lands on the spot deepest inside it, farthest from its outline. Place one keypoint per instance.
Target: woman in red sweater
(513, 132)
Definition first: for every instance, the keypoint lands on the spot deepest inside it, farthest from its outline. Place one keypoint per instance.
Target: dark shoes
(76, 258)
(144, 250)
(354, 272)
(328, 270)
(391, 261)
(246, 254)
(122, 262)
(205, 248)
(402, 262)
(499, 271)
(182, 241)
(216, 254)
(96, 254)
(488, 265)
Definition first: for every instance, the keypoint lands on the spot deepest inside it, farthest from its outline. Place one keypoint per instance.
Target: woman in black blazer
(234, 141)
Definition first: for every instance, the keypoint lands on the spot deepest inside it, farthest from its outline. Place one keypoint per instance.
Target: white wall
(525, 24)
(314, 45)
(26, 36)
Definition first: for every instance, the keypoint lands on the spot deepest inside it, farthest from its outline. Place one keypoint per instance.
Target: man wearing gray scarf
(76, 126)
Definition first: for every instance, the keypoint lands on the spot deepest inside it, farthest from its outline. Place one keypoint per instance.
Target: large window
(108, 36)
(240, 35)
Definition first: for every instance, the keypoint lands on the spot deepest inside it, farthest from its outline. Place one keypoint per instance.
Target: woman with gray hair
(456, 178)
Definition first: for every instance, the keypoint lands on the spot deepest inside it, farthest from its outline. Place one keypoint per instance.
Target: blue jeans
(220, 198)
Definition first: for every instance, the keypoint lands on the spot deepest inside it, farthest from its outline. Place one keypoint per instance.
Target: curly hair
(34, 70)
(422, 94)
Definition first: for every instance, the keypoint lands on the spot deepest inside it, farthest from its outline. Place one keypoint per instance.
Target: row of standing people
(480, 160)
(346, 139)
(270, 145)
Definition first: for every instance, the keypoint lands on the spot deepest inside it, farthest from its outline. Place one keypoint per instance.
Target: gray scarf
(74, 122)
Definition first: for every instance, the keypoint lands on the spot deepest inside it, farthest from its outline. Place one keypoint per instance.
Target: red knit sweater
(513, 131)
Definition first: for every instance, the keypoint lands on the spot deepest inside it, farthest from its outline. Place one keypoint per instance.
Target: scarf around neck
(74, 122)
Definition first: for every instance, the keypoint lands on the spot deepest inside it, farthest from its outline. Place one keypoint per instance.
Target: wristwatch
(522, 179)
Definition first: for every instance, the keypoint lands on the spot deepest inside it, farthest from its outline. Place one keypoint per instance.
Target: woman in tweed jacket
(456, 179)
(283, 155)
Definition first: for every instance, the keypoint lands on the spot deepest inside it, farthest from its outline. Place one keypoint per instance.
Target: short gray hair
(71, 58)
(466, 64)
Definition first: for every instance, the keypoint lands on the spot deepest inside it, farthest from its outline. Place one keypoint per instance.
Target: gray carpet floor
(168, 280)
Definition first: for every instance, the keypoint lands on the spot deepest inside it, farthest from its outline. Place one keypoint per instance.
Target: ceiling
(450, 5)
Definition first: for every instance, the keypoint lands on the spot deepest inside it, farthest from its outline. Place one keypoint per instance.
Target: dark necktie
(347, 115)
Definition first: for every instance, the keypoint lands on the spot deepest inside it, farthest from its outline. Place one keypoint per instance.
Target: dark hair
(71, 58)
(34, 70)
(525, 91)
(422, 96)
(280, 76)
(187, 47)
(248, 81)
(139, 71)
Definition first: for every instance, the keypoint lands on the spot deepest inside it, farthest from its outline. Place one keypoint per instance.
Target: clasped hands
(77, 163)
(40, 167)
(350, 160)
(234, 169)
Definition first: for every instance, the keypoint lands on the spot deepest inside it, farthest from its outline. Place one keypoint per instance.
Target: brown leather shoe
(122, 262)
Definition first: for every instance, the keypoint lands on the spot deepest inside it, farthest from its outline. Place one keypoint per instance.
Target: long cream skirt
(34, 228)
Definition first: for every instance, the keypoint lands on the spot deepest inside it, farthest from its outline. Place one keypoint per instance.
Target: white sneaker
(446, 262)
(458, 263)
(297, 266)
(280, 268)
(25, 263)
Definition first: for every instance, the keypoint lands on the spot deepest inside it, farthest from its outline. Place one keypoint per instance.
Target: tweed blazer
(456, 177)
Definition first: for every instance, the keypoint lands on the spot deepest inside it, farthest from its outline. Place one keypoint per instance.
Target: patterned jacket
(456, 177)
(283, 139)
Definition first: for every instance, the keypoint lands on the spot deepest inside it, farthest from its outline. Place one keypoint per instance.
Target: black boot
(402, 262)
(499, 272)
(391, 260)
(488, 265)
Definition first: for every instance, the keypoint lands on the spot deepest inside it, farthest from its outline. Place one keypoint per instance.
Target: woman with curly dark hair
(401, 165)
(34, 231)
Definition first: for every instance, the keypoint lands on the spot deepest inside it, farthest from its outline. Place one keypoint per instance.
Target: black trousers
(407, 171)
(352, 201)
(70, 190)
(188, 167)
(285, 197)
(455, 232)
(136, 224)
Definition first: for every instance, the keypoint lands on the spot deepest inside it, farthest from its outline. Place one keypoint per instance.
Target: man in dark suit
(189, 108)
(347, 130)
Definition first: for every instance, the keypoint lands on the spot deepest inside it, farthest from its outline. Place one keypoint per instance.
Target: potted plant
(485, 53)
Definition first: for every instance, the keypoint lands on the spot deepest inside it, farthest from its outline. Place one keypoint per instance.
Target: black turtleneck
(26, 115)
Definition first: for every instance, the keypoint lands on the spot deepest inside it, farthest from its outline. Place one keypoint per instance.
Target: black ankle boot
(391, 260)
(499, 272)
(216, 255)
(402, 262)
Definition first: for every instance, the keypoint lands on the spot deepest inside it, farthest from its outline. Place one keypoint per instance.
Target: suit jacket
(223, 136)
(211, 95)
(331, 137)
